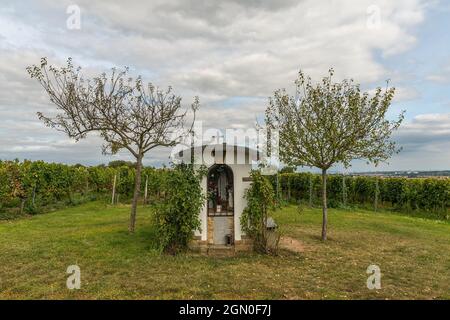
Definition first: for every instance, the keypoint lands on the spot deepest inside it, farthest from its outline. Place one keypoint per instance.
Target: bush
(177, 213)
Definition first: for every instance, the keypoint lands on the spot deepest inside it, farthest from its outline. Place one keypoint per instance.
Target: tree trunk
(324, 204)
(137, 189)
(22, 205)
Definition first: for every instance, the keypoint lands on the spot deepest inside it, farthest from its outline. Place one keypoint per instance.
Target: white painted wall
(239, 171)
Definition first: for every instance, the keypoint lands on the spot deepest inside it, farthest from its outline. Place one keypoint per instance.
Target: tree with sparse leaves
(126, 112)
(332, 123)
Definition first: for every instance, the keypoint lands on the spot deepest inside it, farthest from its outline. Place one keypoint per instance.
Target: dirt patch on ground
(291, 244)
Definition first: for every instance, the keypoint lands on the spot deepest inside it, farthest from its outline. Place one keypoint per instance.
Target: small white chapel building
(228, 176)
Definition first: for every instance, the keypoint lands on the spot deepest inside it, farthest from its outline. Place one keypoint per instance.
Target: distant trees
(127, 113)
(121, 163)
(287, 169)
(329, 123)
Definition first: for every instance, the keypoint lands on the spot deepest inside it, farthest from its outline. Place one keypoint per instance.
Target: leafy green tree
(127, 113)
(332, 122)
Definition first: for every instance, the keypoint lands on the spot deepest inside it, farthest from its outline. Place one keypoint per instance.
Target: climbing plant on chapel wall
(260, 199)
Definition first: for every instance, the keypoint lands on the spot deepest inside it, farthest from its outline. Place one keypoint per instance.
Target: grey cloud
(424, 131)
(217, 50)
(426, 145)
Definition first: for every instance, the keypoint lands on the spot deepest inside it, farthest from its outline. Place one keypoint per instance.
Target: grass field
(413, 254)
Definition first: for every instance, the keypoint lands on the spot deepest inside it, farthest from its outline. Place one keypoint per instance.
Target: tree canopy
(127, 113)
(329, 122)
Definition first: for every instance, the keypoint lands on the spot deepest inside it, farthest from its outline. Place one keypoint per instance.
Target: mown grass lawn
(413, 254)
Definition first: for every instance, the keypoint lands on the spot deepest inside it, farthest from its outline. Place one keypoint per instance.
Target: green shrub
(177, 213)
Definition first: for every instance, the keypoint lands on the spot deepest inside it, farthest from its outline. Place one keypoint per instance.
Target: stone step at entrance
(221, 250)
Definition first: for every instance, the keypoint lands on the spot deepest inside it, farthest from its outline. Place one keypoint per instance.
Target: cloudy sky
(233, 54)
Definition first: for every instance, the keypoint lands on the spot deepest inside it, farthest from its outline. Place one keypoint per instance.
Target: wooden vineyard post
(114, 189)
(289, 188)
(376, 194)
(310, 190)
(22, 205)
(146, 190)
(344, 191)
(34, 196)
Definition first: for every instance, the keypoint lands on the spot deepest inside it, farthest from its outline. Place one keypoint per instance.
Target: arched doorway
(220, 191)
(220, 204)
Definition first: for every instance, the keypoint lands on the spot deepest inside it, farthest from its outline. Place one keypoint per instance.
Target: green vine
(260, 199)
